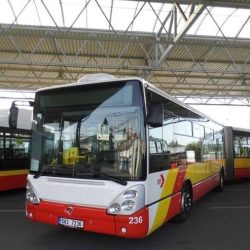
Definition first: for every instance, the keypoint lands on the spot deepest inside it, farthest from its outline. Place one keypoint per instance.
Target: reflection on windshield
(105, 139)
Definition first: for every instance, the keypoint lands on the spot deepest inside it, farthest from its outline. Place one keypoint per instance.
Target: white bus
(110, 156)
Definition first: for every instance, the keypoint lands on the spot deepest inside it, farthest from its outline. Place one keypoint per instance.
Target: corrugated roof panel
(194, 63)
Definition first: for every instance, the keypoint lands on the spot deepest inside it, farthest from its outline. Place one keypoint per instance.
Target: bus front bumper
(90, 219)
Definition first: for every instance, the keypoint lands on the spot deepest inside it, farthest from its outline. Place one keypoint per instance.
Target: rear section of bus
(237, 151)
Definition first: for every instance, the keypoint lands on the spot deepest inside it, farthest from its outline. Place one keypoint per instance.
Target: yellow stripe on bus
(241, 162)
(163, 207)
(14, 172)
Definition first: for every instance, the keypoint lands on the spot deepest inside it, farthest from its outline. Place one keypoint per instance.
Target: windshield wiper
(43, 171)
(109, 177)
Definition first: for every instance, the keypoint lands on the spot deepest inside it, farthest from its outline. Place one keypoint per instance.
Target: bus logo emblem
(161, 181)
(69, 210)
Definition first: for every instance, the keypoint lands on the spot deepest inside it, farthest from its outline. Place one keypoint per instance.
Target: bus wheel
(220, 186)
(186, 203)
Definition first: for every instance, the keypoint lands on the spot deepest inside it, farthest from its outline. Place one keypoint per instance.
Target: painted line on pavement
(234, 207)
(11, 210)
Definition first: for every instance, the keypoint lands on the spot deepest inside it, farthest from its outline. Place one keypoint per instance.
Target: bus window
(213, 147)
(158, 158)
(198, 130)
(99, 129)
(159, 147)
(152, 147)
(241, 146)
(181, 132)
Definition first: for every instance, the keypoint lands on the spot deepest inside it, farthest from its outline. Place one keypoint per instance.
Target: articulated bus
(15, 134)
(119, 156)
(237, 153)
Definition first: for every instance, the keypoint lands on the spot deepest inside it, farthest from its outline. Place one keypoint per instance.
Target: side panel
(201, 188)
(204, 177)
(229, 153)
(164, 195)
(165, 189)
(189, 147)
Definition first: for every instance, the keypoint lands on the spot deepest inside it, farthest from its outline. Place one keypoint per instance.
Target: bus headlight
(128, 205)
(114, 208)
(31, 196)
(130, 194)
(129, 201)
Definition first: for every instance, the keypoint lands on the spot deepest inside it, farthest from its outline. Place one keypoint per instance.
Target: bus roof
(241, 129)
(91, 79)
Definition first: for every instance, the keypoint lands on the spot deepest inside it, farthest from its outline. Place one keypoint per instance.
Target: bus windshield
(90, 131)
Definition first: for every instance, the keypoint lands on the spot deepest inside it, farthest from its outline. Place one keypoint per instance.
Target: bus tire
(186, 203)
(220, 186)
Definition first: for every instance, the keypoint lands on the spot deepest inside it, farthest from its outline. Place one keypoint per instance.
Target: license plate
(71, 223)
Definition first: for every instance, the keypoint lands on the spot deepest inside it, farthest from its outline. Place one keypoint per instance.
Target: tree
(196, 147)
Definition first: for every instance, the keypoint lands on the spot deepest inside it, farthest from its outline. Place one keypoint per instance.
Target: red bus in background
(15, 134)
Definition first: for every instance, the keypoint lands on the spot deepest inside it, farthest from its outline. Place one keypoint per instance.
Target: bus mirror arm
(155, 115)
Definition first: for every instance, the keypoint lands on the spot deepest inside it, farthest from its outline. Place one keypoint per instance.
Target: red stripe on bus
(175, 203)
(203, 187)
(180, 179)
(241, 172)
(12, 182)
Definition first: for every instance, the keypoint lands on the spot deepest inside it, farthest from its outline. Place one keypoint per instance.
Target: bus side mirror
(155, 115)
(13, 116)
